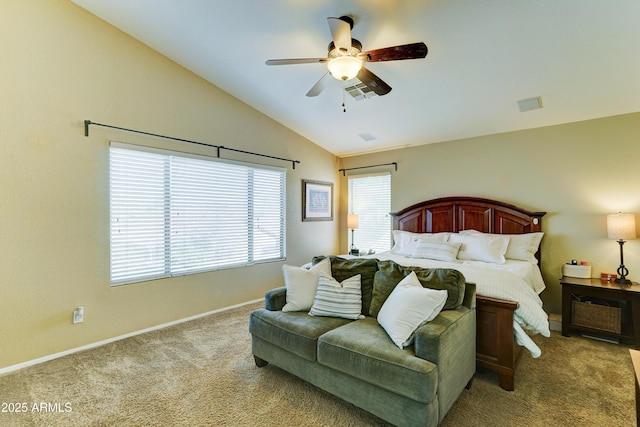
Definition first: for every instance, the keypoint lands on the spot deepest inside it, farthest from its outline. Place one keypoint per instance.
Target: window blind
(174, 214)
(370, 198)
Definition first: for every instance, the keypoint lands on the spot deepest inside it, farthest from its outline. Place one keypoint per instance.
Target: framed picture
(317, 200)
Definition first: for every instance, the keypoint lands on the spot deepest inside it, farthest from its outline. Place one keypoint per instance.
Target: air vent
(366, 137)
(360, 91)
(530, 104)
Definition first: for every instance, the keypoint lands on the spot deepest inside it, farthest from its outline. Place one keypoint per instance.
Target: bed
(498, 334)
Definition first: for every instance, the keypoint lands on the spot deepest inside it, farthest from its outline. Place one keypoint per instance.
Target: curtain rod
(87, 123)
(365, 167)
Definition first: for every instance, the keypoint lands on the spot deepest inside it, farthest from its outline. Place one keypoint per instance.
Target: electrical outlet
(78, 315)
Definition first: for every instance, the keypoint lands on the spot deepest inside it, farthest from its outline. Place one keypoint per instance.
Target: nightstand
(629, 315)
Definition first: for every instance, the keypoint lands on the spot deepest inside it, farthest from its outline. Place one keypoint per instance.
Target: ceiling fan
(345, 58)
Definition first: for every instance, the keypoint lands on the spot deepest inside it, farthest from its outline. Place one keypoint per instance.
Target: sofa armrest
(469, 300)
(275, 299)
(449, 341)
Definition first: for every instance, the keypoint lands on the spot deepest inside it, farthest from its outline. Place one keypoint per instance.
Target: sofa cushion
(337, 299)
(363, 350)
(302, 284)
(296, 332)
(342, 268)
(389, 274)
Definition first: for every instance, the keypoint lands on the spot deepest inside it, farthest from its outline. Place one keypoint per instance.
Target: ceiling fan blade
(395, 53)
(319, 86)
(340, 32)
(373, 82)
(296, 61)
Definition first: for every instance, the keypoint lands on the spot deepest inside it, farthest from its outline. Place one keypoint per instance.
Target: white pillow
(302, 284)
(408, 306)
(481, 247)
(405, 241)
(441, 251)
(335, 299)
(522, 247)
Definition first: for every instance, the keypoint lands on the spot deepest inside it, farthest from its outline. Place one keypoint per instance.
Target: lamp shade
(352, 221)
(344, 67)
(621, 226)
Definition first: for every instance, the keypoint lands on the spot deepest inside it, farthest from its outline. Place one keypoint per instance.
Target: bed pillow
(390, 273)
(342, 268)
(409, 306)
(522, 247)
(302, 284)
(404, 242)
(481, 247)
(337, 299)
(440, 251)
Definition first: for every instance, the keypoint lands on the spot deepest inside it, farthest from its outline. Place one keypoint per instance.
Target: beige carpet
(202, 374)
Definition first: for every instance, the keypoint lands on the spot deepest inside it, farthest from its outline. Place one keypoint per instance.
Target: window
(370, 198)
(174, 214)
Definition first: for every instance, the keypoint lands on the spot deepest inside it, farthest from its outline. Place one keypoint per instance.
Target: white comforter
(514, 280)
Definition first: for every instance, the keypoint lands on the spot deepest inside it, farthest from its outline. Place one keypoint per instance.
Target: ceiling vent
(367, 137)
(359, 91)
(530, 104)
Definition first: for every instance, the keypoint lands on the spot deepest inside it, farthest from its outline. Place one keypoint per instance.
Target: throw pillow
(404, 242)
(337, 299)
(481, 247)
(342, 268)
(302, 284)
(409, 306)
(439, 251)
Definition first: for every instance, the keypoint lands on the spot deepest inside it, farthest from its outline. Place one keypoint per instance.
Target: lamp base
(622, 281)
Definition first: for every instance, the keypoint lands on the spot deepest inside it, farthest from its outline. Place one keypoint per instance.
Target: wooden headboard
(455, 214)
(459, 213)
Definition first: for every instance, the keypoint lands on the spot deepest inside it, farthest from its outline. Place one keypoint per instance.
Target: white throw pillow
(481, 247)
(405, 242)
(522, 247)
(441, 251)
(302, 284)
(335, 299)
(408, 306)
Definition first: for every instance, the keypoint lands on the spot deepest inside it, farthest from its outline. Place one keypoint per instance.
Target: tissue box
(578, 271)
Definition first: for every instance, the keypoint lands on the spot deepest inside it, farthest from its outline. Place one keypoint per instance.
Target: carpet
(201, 373)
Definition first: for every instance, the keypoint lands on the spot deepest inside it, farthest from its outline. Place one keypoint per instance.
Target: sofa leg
(468, 386)
(259, 362)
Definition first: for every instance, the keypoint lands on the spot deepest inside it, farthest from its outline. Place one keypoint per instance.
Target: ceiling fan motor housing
(356, 48)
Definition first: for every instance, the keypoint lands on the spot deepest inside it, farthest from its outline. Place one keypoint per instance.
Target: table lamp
(352, 223)
(621, 227)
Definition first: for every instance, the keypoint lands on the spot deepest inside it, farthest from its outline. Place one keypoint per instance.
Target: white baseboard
(39, 360)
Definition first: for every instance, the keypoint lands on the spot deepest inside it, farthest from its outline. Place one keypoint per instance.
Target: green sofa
(357, 361)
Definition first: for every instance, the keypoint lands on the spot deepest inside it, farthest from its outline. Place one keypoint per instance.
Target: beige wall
(576, 172)
(61, 65)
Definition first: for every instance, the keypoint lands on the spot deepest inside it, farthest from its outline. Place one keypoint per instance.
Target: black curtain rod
(365, 167)
(87, 123)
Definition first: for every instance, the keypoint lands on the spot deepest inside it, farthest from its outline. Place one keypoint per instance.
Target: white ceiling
(581, 56)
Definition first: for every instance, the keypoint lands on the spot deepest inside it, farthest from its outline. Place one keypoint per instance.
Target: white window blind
(370, 198)
(174, 214)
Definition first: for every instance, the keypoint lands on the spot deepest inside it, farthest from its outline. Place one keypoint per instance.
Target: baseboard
(39, 360)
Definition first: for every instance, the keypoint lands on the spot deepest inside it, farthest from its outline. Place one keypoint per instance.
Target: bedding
(514, 280)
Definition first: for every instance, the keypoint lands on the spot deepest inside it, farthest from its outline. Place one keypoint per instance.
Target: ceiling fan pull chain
(344, 107)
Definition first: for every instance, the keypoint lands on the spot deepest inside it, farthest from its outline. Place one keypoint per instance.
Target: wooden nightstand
(630, 315)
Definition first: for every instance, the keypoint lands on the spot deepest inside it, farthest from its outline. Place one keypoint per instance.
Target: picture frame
(317, 200)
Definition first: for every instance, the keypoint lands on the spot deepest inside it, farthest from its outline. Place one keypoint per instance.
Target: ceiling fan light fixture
(344, 67)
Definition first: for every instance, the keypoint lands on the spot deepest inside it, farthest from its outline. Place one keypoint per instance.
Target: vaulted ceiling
(582, 57)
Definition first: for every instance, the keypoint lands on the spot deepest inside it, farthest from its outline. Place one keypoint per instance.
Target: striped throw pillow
(441, 251)
(338, 299)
